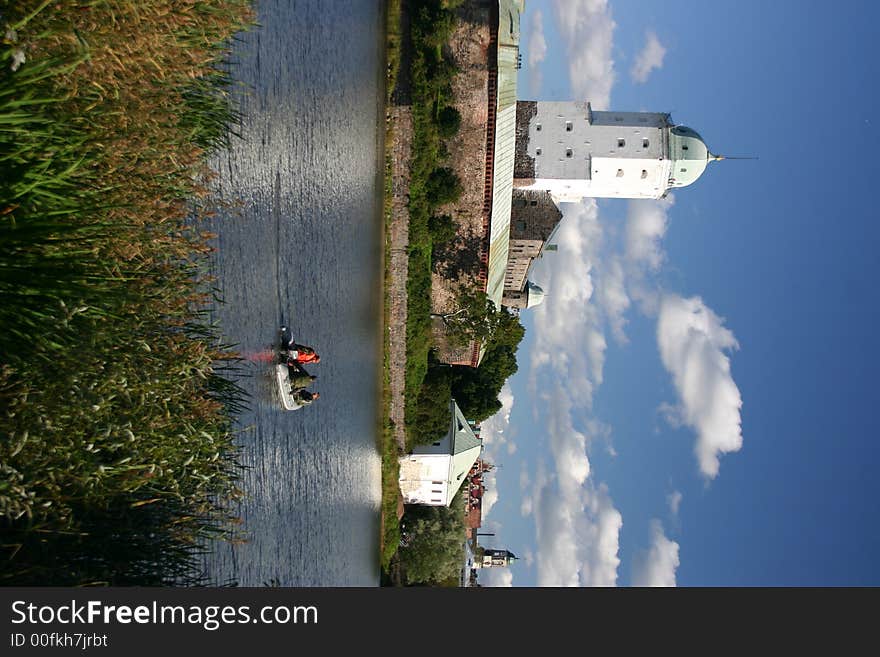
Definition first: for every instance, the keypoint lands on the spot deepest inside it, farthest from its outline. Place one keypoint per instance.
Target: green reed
(117, 459)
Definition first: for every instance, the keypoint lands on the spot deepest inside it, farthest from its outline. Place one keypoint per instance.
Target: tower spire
(717, 158)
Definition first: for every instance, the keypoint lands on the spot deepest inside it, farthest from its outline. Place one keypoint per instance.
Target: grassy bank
(431, 185)
(422, 31)
(117, 452)
(390, 537)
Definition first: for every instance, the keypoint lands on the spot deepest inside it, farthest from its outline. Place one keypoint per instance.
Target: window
(644, 143)
(538, 127)
(520, 226)
(568, 126)
(618, 118)
(533, 203)
(644, 173)
(568, 152)
(437, 444)
(537, 151)
(621, 143)
(684, 148)
(620, 173)
(437, 483)
(684, 170)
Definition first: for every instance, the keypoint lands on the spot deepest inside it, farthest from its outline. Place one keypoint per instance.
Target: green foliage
(448, 122)
(442, 229)
(435, 537)
(476, 389)
(390, 492)
(430, 184)
(432, 413)
(117, 458)
(443, 186)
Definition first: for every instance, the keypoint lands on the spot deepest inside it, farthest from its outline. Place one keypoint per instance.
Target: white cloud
(528, 557)
(490, 494)
(537, 49)
(587, 29)
(650, 58)
(568, 316)
(495, 577)
(577, 536)
(613, 298)
(657, 566)
(673, 500)
(577, 526)
(646, 224)
(692, 342)
(492, 430)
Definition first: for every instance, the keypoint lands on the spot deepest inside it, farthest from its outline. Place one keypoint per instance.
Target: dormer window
(644, 173)
(620, 173)
(568, 152)
(538, 127)
(621, 143)
(645, 143)
(568, 126)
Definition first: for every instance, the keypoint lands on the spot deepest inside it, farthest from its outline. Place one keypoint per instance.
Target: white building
(432, 474)
(495, 559)
(573, 152)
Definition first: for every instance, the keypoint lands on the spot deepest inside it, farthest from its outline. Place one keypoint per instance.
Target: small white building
(432, 474)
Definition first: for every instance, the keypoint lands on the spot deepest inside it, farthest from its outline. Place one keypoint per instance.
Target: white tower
(572, 152)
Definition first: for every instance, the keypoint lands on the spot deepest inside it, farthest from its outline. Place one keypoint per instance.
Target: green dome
(689, 155)
(536, 295)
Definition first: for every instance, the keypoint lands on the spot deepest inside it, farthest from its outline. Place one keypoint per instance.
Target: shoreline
(395, 215)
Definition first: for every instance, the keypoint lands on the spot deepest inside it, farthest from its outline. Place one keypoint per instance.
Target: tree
(443, 186)
(448, 122)
(476, 389)
(432, 417)
(476, 317)
(435, 541)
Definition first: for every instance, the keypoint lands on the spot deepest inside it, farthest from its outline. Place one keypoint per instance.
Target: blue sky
(695, 399)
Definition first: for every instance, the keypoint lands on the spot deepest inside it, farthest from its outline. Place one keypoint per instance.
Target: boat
(282, 376)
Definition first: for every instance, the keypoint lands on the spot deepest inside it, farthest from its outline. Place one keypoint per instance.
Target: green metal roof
(505, 146)
(689, 155)
(466, 448)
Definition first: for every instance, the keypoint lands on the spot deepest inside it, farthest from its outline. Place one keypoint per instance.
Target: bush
(443, 187)
(442, 229)
(432, 413)
(448, 122)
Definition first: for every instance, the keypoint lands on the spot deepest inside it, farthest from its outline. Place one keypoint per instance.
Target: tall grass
(116, 452)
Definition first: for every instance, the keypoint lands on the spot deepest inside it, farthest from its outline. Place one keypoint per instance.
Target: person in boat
(299, 378)
(304, 397)
(299, 353)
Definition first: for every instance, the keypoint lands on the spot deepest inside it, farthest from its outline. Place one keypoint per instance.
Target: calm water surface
(300, 245)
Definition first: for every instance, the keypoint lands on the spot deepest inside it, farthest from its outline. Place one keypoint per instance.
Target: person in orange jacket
(299, 354)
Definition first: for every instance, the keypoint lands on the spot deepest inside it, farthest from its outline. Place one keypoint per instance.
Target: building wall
(519, 259)
(534, 217)
(423, 478)
(573, 152)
